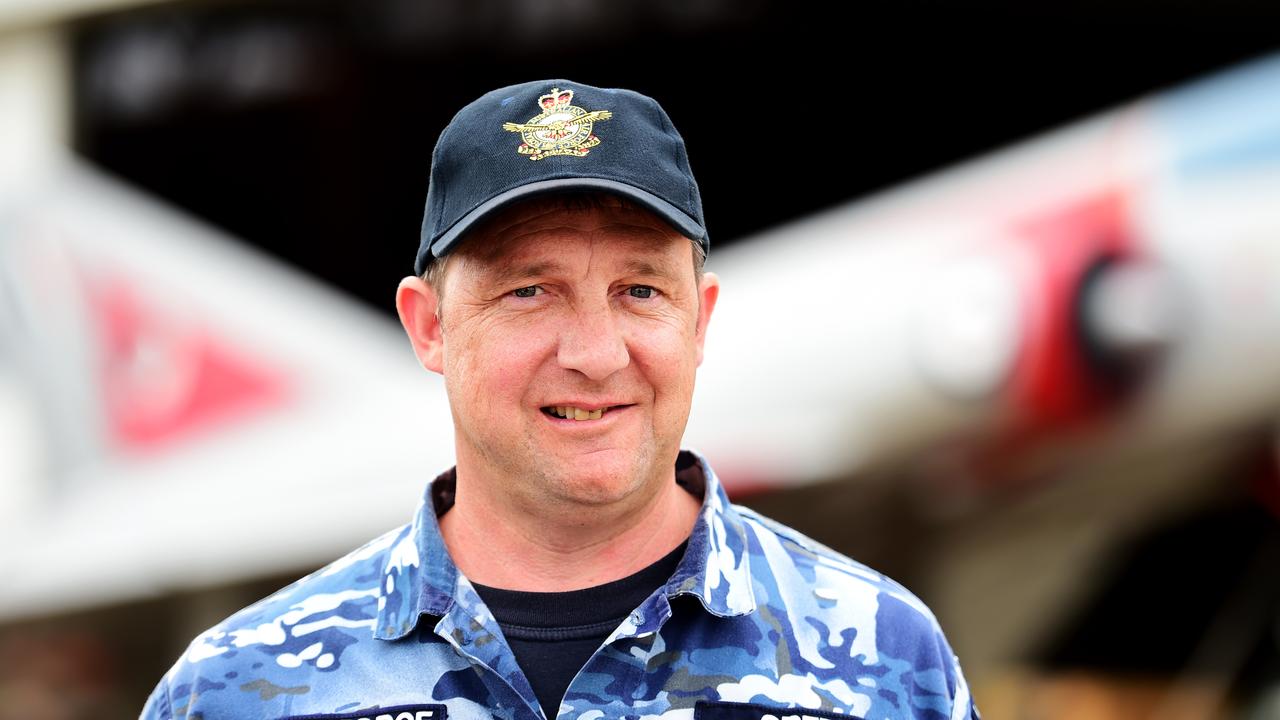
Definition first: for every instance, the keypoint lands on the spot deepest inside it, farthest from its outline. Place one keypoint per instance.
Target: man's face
(592, 312)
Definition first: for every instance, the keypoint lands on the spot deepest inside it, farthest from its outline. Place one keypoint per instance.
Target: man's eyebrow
(516, 270)
(645, 267)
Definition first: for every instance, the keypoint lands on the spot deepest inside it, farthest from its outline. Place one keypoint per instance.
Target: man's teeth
(573, 413)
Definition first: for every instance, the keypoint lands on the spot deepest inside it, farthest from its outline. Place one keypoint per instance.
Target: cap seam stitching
(444, 191)
(681, 154)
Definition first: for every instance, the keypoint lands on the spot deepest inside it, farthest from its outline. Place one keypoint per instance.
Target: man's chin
(597, 479)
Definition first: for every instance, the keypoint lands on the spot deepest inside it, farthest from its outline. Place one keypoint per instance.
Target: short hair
(434, 273)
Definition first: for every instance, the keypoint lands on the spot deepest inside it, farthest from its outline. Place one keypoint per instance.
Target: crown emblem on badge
(560, 129)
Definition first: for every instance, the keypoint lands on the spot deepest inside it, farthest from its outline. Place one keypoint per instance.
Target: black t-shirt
(553, 634)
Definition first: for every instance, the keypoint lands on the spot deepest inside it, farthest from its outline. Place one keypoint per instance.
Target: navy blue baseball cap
(555, 136)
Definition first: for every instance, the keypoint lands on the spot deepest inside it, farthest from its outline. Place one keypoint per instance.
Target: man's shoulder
(304, 622)
(272, 649)
(840, 618)
(779, 543)
(798, 570)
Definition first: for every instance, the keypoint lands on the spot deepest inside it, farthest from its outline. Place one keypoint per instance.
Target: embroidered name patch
(753, 711)
(399, 712)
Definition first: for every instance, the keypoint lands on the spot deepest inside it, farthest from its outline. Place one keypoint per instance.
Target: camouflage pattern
(757, 622)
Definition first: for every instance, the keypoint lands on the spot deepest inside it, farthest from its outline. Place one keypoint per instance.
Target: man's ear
(708, 292)
(417, 303)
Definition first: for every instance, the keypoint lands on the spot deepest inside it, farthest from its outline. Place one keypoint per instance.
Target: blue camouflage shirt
(758, 622)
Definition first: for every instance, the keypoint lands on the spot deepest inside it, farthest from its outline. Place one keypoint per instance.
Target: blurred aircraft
(1091, 314)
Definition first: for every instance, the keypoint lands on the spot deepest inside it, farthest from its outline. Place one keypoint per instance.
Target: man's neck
(554, 549)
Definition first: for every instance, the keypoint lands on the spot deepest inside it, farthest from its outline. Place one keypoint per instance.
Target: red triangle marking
(165, 378)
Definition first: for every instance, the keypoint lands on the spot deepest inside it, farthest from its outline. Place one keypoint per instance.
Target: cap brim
(679, 219)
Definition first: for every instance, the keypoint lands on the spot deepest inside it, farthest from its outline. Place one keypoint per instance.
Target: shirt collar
(421, 579)
(716, 566)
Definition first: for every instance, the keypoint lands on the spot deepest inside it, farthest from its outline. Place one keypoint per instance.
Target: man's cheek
(507, 378)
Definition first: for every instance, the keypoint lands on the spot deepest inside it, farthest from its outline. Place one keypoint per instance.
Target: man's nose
(593, 344)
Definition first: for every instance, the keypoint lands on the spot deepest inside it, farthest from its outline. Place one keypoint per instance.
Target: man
(575, 563)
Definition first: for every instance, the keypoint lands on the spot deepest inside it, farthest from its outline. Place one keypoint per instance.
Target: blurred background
(1001, 313)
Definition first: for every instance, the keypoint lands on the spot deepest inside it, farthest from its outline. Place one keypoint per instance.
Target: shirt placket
(473, 632)
(631, 645)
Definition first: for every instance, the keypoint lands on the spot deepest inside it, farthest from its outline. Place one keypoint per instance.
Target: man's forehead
(539, 254)
(534, 229)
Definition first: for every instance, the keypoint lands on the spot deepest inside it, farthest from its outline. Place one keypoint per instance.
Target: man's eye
(527, 292)
(643, 292)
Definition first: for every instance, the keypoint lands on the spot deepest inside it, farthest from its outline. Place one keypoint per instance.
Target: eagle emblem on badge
(560, 129)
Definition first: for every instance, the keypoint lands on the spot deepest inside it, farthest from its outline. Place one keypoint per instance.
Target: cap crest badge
(560, 129)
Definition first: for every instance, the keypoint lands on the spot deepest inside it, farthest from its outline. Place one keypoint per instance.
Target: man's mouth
(568, 412)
